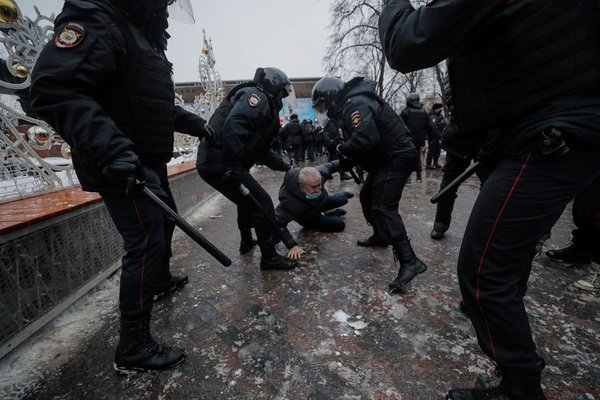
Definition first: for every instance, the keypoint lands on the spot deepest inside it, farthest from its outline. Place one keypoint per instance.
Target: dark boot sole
(396, 286)
(170, 290)
(132, 370)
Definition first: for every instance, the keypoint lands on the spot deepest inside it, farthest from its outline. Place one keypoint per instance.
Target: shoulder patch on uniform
(356, 119)
(253, 100)
(69, 35)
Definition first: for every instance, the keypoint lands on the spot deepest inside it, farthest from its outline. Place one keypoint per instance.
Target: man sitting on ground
(303, 198)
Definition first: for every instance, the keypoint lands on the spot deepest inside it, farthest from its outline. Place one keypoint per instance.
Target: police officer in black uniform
(293, 134)
(246, 123)
(536, 97)
(420, 126)
(377, 140)
(434, 148)
(105, 85)
(461, 151)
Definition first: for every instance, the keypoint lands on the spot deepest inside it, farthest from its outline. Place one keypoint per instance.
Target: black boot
(176, 283)
(338, 212)
(410, 265)
(371, 241)
(278, 262)
(497, 393)
(516, 384)
(439, 228)
(246, 246)
(137, 351)
(570, 254)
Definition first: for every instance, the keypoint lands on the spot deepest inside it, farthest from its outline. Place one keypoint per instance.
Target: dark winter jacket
(418, 123)
(245, 123)
(107, 90)
(292, 132)
(499, 70)
(438, 122)
(293, 204)
(375, 133)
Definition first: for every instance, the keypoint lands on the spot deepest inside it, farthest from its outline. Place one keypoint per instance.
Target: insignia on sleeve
(70, 35)
(356, 119)
(253, 100)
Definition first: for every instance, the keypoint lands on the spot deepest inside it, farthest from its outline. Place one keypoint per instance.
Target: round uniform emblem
(253, 100)
(356, 119)
(70, 35)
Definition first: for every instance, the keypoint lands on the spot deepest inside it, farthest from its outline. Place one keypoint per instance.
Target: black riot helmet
(324, 95)
(413, 100)
(275, 83)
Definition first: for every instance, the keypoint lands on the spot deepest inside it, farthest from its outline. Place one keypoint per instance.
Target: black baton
(185, 226)
(246, 193)
(455, 183)
(357, 180)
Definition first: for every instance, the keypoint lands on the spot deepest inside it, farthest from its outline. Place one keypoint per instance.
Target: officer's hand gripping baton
(455, 183)
(185, 226)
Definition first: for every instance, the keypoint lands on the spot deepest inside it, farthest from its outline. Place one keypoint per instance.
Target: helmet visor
(320, 106)
(182, 11)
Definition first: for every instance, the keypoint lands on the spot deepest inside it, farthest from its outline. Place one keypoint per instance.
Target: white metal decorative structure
(205, 104)
(23, 171)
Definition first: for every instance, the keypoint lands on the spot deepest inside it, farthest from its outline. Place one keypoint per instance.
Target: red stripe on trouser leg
(487, 245)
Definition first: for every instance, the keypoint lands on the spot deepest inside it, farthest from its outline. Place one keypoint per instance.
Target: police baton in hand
(184, 225)
(455, 183)
(246, 193)
(357, 180)
(346, 161)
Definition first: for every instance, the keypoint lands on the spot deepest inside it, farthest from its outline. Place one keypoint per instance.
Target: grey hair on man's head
(307, 174)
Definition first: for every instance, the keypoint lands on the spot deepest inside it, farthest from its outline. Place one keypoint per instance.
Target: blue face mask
(313, 196)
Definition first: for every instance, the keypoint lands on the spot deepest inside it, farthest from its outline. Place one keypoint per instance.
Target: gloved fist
(123, 167)
(346, 163)
(232, 176)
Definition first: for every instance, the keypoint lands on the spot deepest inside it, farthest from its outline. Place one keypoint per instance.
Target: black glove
(232, 176)
(123, 168)
(209, 133)
(346, 163)
(151, 178)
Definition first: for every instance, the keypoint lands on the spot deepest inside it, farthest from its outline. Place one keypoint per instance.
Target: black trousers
(433, 152)
(247, 210)
(586, 216)
(454, 166)
(297, 151)
(147, 236)
(309, 148)
(380, 198)
(519, 202)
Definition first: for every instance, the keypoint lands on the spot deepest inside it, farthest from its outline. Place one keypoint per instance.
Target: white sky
(288, 34)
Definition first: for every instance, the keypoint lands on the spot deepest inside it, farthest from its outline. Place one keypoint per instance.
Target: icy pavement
(327, 330)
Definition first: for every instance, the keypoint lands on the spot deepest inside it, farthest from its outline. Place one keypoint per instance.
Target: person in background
(434, 148)
(420, 127)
